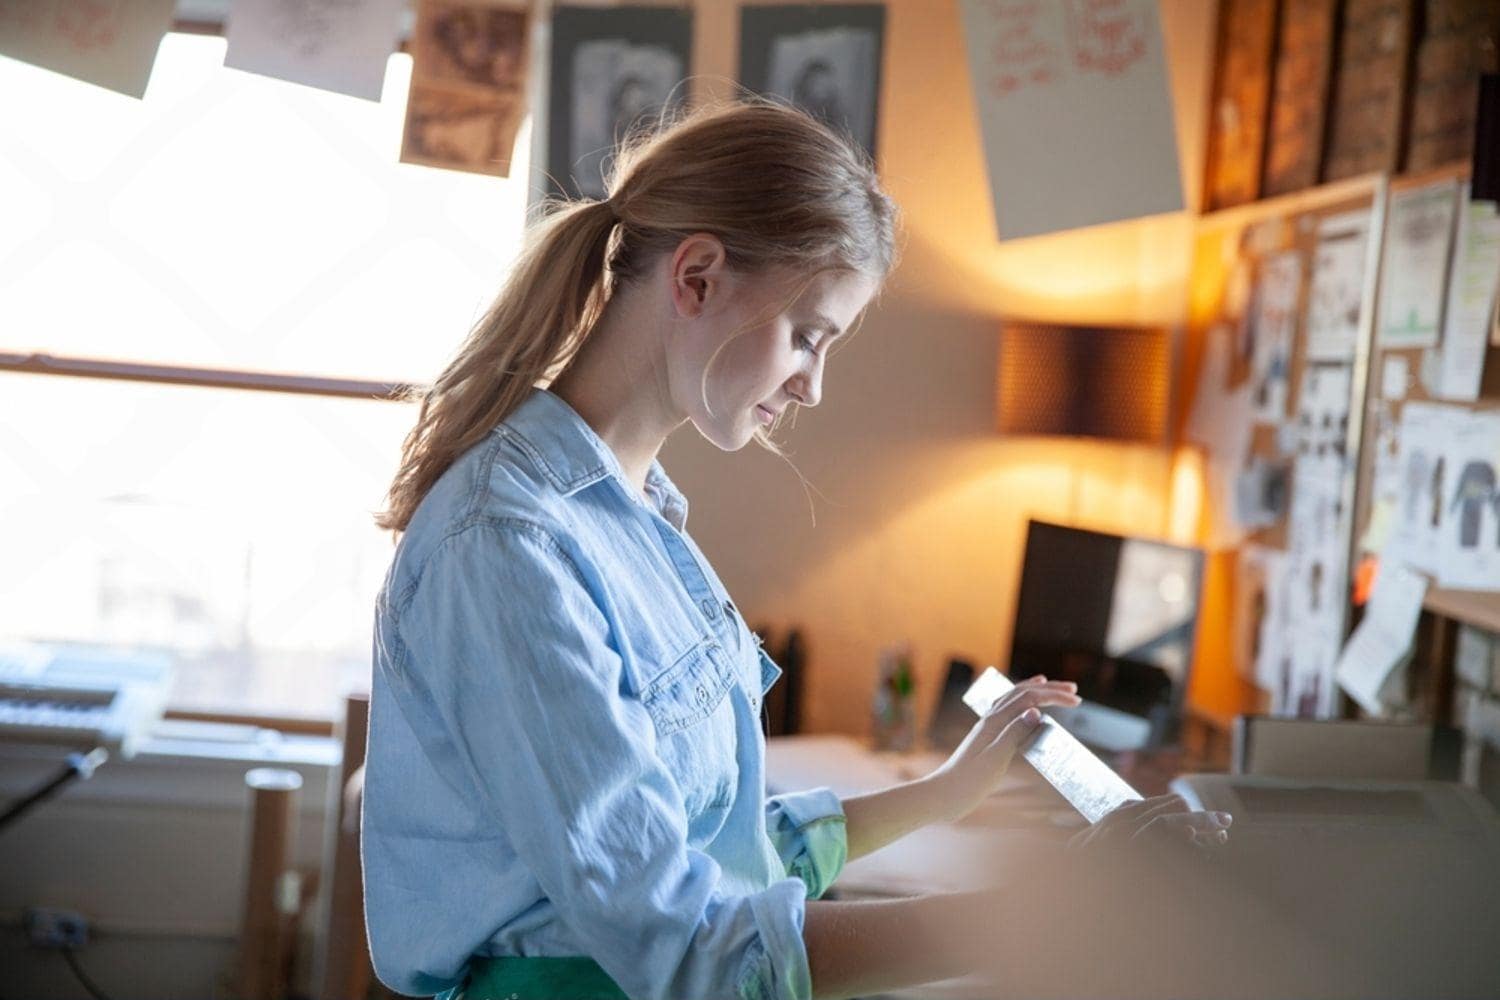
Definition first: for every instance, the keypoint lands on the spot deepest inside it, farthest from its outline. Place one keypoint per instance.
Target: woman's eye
(806, 343)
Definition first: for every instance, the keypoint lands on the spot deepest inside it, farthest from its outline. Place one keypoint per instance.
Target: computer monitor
(1116, 615)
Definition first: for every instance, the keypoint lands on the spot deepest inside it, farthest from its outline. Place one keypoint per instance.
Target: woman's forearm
(875, 819)
(860, 948)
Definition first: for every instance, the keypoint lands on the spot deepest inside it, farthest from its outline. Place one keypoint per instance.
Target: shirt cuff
(816, 819)
(775, 966)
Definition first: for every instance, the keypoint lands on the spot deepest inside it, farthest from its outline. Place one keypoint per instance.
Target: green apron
(535, 979)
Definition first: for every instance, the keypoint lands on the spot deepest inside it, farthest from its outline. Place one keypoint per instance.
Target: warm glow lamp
(1078, 381)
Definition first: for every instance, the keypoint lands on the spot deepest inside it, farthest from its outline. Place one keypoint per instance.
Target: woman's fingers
(1016, 732)
(1203, 830)
(1025, 696)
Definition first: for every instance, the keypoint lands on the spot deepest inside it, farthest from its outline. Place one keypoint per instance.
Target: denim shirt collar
(572, 457)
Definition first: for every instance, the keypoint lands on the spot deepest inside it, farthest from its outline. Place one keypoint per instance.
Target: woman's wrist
(944, 796)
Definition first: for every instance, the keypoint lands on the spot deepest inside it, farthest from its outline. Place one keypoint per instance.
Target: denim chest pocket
(769, 672)
(695, 729)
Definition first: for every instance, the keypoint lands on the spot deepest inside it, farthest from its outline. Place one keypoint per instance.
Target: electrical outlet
(49, 927)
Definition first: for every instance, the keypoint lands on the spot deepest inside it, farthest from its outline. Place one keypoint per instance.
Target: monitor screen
(1115, 615)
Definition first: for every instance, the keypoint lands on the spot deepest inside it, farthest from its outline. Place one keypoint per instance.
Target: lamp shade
(1081, 381)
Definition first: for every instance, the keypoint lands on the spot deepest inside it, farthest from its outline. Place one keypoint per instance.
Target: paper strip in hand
(1069, 766)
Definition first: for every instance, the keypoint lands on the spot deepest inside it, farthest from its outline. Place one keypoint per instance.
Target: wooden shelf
(1322, 195)
(1479, 608)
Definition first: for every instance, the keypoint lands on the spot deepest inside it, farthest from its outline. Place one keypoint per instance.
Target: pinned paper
(1337, 293)
(1260, 492)
(337, 45)
(1468, 550)
(1271, 326)
(1258, 572)
(110, 43)
(1395, 377)
(1414, 273)
(1471, 293)
(1075, 112)
(1422, 484)
(1367, 668)
(1220, 422)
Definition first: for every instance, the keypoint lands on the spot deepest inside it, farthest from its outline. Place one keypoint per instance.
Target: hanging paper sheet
(1075, 112)
(337, 45)
(111, 43)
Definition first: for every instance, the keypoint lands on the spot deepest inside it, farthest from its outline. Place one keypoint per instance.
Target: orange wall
(920, 506)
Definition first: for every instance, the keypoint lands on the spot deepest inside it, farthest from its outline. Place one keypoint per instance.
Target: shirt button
(702, 695)
(710, 609)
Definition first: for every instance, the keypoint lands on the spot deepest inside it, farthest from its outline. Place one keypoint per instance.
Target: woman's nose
(807, 386)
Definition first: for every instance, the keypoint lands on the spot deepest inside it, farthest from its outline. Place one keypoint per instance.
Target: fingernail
(1223, 818)
(1032, 715)
(1222, 836)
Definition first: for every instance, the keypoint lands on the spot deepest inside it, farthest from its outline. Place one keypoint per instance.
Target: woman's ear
(697, 273)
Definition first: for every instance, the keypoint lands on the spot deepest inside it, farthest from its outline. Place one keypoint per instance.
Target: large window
(227, 221)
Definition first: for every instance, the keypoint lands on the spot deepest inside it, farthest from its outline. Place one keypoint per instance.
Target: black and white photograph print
(614, 70)
(824, 58)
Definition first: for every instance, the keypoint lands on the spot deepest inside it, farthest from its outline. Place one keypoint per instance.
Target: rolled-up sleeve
(808, 832)
(522, 672)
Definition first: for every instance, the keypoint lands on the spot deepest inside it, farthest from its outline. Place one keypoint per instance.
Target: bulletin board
(1281, 355)
(1406, 378)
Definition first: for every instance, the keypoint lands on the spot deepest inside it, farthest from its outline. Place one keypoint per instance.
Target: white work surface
(944, 857)
(980, 851)
(1376, 916)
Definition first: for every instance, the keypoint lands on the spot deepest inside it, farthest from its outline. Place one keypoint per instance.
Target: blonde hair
(775, 186)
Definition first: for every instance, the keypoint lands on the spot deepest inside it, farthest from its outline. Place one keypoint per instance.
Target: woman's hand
(1162, 823)
(981, 760)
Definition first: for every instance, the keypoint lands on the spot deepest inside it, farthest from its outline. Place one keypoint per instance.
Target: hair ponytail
(550, 301)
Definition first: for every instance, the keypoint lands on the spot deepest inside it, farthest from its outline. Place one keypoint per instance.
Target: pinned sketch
(1323, 411)
(824, 59)
(1074, 110)
(1308, 689)
(1472, 290)
(1425, 478)
(1469, 537)
(625, 70)
(109, 43)
(1368, 666)
(1317, 581)
(1385, 479)
(1413, 275)
(1220, 422)
(1271, 326)
(1258, 617)
(337, 45)
(1260, 493)
(1334, 300)
(468, 85)
(1273, 649)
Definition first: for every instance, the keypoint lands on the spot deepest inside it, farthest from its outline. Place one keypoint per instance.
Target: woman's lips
(766, 416)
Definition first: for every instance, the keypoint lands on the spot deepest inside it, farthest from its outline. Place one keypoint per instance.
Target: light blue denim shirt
(565, 754)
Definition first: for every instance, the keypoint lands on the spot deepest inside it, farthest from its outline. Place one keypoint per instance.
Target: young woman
(565, 789)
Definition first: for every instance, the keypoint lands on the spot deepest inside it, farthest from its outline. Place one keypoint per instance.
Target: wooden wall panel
(1299, 102)
(1241, 95)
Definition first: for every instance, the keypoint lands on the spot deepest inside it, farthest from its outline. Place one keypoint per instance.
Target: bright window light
(226, 221)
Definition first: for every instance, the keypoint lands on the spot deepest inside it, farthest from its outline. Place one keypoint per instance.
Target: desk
(1376, 917)
(944, 857)
(976, 852)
